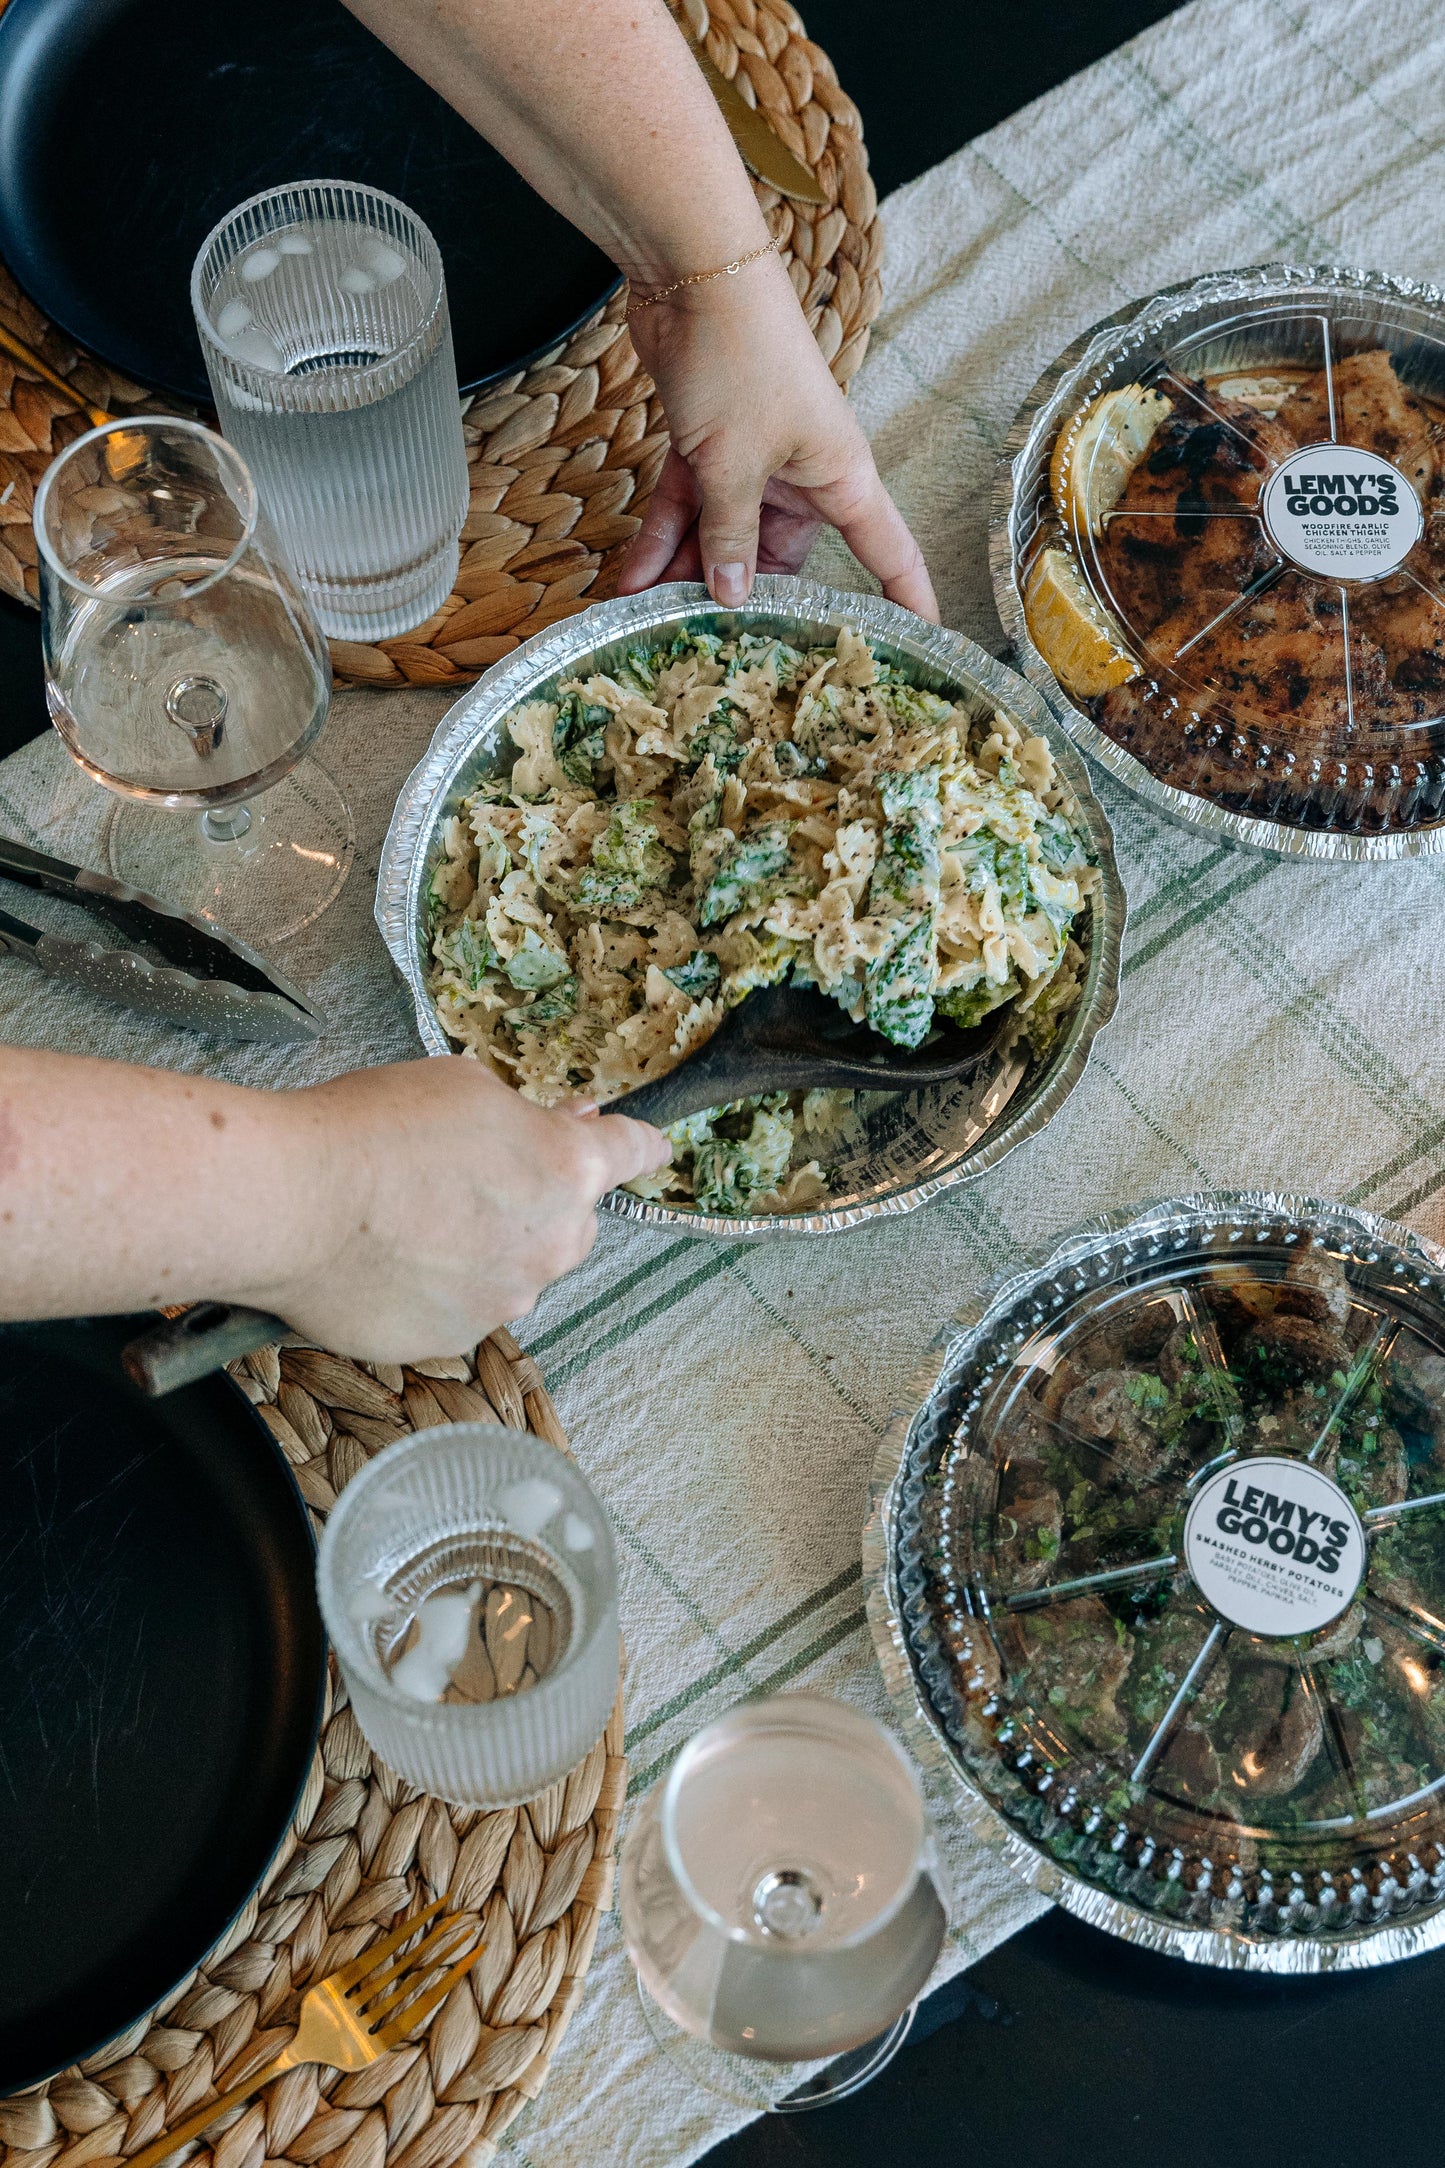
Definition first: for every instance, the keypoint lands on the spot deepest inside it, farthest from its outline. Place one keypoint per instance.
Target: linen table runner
(1279, 1026)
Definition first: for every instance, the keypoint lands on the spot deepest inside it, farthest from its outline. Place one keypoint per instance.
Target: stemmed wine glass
(183, 669)
(781, 1902)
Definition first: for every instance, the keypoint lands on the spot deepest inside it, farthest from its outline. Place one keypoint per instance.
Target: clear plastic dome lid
(1230, 546)
(1172, 1546)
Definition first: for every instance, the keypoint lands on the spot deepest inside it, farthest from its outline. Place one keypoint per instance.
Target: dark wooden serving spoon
(779, 1038)
(793, 1038)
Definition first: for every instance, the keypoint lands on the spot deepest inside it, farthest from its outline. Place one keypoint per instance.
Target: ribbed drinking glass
(469, 1586)
(322, 313)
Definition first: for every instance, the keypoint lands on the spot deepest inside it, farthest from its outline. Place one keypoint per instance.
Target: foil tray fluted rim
(1040, 415)
(1223, 1948)
(809, 609)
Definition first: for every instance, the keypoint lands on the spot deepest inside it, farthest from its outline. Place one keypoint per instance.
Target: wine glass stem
(226, 823)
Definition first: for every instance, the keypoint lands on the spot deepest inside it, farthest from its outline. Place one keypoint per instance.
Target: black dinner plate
(129, 127)
(162, 1663)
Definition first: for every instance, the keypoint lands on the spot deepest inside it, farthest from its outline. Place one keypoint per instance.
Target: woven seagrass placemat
(563, 455)
(363, 1850)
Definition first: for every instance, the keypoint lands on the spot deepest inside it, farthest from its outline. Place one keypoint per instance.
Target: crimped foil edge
(1184, 808)
(482, 708)
(1224, 1948)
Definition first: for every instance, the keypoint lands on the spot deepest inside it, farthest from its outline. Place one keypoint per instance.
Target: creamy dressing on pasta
(711, 815)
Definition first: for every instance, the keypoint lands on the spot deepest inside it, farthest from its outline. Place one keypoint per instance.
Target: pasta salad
(713, 814)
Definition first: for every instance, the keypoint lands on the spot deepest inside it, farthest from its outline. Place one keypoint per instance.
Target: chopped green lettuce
(469, 952)
(728, 1172)
(552, 1007)
(535, 964)
(577, 739)
(626, 861)
(748, 873)
(699, 978)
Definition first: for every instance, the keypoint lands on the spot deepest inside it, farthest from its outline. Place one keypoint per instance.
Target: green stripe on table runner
(1066, 246)
(643, 1779)
(1396, 123)
(627, 1327)
(1173, 887)
(620, 1287)
(764, 1639)
(813, 1356)
(1154, 1126)
(1241, 885)
(1282, 224)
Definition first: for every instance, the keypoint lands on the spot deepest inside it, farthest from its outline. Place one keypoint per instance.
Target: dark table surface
(1063, 2048)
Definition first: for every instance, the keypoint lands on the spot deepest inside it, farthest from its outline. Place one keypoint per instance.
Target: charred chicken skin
(1224, 626)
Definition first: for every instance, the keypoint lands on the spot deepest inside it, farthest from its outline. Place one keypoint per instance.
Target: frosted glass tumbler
(322, 313)
(469, 1585)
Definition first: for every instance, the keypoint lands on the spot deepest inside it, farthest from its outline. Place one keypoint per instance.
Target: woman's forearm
(124, 1188)
(394, 1213)
(601, 106)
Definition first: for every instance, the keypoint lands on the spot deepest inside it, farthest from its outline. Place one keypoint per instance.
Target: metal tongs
(205, 981)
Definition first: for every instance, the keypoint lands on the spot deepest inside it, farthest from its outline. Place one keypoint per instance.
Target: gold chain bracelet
(700, 278)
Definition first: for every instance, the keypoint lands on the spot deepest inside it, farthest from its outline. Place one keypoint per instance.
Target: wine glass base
(769, 2088)
(265, 884)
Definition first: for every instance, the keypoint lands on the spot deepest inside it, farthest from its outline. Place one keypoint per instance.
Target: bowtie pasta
(715, 814)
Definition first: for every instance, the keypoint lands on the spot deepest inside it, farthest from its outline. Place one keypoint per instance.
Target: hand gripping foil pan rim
(886, 1534)
(471, 731)
(1036, 423)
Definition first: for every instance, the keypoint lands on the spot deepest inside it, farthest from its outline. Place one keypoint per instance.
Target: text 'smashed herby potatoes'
(715, 814)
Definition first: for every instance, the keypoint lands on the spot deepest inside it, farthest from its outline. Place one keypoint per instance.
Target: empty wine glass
(183, 669)
(781, 1902)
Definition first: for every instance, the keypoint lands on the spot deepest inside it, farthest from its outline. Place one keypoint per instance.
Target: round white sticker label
(1342, 512)
(1275, 1546)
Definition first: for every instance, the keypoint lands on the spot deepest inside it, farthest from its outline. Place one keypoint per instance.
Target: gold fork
(342, 2016)
(125, 450)
(27, 356)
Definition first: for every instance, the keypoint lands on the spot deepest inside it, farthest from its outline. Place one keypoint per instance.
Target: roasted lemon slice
(1070, 630)
(1094, 458)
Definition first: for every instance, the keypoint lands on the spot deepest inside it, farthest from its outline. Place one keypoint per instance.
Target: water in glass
(323, 319)
(468, 1584)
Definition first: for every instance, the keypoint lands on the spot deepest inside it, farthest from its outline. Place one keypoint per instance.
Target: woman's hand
(393, 1214)
(765, 448)
(448, 1203)
(758, 424)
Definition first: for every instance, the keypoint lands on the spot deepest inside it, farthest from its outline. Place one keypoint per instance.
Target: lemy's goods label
(1336, 510)
(1274, 1545)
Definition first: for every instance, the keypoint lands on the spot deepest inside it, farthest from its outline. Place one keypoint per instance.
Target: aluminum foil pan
(1212, 733)
(1156, 1565)
(918, 1143)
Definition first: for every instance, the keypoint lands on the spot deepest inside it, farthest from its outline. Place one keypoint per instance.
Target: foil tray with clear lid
(1219, 545)
(1157, 1563)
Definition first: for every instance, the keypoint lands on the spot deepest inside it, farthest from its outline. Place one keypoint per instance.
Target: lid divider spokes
(1344, 595)
(1376, 1518)
(1429, 588)
(1328, 351)
(1245, 596)
(1337, 1746)
(1188, 1687)
(1147, 1569)
(1197, 398)
(1419, 1624)
(1367, 1361)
